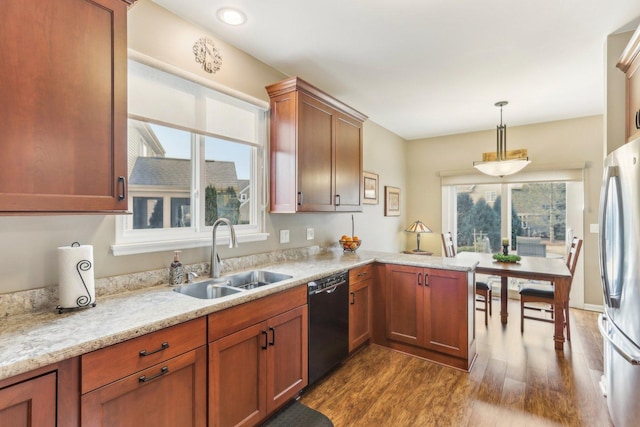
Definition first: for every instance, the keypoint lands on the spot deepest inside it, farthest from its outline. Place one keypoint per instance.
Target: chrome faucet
(215, 258)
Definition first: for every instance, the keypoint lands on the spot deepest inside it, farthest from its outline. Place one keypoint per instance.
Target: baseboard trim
(593, 307)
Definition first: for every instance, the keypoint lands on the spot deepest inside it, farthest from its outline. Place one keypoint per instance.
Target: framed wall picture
(391, 201)
(370, 185)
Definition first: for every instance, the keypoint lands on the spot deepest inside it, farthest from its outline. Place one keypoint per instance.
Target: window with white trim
(194, 155)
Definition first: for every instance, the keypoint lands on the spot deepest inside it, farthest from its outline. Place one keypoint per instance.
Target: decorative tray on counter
(507, 258)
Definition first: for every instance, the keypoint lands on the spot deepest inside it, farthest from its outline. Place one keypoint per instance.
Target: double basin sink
(229, 285)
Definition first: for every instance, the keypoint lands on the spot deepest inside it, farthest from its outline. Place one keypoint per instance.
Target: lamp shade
(501, 167)
(418, 227)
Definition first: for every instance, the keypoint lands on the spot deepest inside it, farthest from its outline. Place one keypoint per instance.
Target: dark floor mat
(298, 415)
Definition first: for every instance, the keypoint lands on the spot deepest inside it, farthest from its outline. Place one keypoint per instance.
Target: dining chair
(483, 290)
(544, 293)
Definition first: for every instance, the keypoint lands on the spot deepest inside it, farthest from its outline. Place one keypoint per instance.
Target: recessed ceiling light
(231, 16)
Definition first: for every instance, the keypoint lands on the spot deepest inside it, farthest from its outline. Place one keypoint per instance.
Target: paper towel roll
(76, 287)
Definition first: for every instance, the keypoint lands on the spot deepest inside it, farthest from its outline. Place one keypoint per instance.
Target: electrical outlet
(284, 236)
(310, 234)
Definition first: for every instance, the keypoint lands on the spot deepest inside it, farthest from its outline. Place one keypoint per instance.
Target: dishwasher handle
(330, 289)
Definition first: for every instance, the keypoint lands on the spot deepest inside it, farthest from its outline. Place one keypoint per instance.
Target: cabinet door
(315, 155)
(348, 165)
(63, 105)
(287, 363)
(29, 403)
(404, 304)
(171, 393)
(359, 313)
(237, 377)
(445, 311)
(633, 100)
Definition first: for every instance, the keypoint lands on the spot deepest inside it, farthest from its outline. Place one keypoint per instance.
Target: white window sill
(178, 244)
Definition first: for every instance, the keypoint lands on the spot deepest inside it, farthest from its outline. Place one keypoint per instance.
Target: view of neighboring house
(159, 186)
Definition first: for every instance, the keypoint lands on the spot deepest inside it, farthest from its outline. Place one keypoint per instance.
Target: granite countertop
(33, 340)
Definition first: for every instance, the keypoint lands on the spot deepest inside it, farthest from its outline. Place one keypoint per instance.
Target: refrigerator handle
(610, 172)
(634, 360)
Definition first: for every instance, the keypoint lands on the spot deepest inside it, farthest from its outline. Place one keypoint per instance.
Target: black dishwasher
(328, 323)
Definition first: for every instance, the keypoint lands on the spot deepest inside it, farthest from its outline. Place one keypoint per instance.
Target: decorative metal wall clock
(207, 55)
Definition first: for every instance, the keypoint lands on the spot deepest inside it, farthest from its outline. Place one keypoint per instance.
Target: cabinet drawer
(360, 273)
(106, 365)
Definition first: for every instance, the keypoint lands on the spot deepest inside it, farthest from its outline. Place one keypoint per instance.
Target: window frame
(130, 241)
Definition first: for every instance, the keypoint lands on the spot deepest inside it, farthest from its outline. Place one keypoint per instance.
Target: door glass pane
(478, 213)
(539, 219)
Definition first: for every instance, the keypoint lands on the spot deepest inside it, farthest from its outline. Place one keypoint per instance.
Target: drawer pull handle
(144, 353)
(353, 298)
(273, 336)
(144, 378)
(123, 187)
(362, 274)
(266, 339)
(300, 198)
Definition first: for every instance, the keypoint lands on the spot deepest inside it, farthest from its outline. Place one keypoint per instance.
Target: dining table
(553, 270)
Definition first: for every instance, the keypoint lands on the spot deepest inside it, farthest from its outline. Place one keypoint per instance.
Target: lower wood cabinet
(156, 379)
(29, 403)
(172, 393)
(360, 285)
(258, 369)
(46, 396)
(429, 309)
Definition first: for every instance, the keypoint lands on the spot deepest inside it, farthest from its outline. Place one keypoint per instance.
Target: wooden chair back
(574, 253)
(447, 243)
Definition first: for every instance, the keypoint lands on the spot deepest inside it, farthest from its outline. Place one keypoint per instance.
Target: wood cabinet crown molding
(630, 52)
(296, 83)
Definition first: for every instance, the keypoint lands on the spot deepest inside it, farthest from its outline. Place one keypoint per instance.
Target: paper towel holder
(82, 301)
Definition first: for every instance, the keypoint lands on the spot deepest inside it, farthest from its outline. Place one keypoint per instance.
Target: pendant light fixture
(502, 162)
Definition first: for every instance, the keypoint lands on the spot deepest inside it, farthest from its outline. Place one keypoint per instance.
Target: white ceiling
(423, 68)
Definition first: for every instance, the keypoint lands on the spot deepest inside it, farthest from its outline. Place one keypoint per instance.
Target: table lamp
(418, 227)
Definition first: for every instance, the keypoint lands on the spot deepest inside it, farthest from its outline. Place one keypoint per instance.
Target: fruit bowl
(350, 245)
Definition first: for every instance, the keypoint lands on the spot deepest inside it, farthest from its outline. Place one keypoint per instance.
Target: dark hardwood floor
(517, 380)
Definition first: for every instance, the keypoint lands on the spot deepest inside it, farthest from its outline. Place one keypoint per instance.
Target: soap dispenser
(176, 272)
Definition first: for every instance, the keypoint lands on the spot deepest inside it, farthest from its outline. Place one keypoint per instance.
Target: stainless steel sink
(208, 289)
(256, 278)
(229, 285)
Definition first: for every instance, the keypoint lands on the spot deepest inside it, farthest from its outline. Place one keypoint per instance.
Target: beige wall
(28, 244)
(566, 141)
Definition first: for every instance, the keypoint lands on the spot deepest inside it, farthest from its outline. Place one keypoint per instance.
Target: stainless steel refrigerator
(619, 246)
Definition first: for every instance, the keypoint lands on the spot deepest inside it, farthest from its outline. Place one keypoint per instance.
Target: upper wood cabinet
(63, 103)
(630, 63)
(316, 150)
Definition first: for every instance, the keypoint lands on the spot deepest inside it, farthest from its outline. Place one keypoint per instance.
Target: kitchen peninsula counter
(37, 339)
